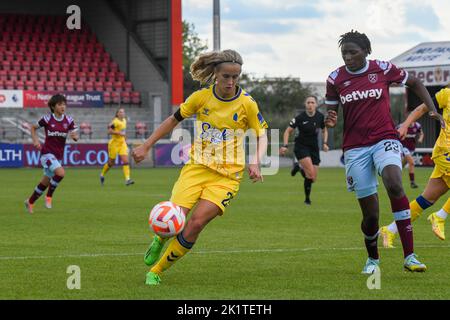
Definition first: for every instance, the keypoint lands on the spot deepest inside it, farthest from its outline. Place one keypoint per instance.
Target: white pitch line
(95, 255)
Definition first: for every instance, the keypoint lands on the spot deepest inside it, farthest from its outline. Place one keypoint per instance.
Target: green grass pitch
(268, 245)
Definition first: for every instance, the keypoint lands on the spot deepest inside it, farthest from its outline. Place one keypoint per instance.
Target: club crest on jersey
(65, 126)
(206, 111)
(235, 117)
(372, 77)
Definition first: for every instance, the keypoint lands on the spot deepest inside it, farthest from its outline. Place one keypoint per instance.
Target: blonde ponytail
(202, 69)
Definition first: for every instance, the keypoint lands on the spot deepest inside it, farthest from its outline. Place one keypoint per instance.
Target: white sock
(393, 227)
(442, 214)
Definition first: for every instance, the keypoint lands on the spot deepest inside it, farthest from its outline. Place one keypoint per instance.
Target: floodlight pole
(216, 25)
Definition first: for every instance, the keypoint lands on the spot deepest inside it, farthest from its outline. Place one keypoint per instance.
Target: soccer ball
(166, 219)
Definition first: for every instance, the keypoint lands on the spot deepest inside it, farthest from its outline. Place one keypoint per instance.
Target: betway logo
(359, 95)
(57, 134)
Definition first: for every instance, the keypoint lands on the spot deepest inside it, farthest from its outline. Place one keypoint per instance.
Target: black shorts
(302, 151)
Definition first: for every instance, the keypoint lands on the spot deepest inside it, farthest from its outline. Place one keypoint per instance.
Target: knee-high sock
(308, 186)
(53, 184)
(126, 172)
(177, 248)
(38, 191)
(370, 239)
(105, 169)
(417, 206)
(402, 217)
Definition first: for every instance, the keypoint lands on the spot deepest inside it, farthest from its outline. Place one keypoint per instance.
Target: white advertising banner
(432, 76)
(11, 98)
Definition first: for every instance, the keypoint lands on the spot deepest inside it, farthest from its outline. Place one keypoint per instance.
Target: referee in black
(306, 150)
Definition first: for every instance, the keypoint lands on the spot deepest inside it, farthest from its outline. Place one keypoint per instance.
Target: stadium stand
(38, 52)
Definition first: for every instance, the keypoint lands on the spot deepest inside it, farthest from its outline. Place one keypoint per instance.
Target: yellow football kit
(441, 150)
(117, 145)
(217, 157)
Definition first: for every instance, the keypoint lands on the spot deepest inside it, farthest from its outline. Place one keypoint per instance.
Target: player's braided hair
(202, 69)
(54, 100)
(355, 37)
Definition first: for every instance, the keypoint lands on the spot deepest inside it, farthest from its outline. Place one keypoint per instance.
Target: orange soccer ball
(166, 219)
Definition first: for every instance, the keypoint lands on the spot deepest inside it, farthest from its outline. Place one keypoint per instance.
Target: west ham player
(57, 127)
(414, 134)
(308, 124)
(439, 181)
(370, 143)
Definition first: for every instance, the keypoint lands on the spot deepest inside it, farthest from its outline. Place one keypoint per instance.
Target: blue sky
(299, 38)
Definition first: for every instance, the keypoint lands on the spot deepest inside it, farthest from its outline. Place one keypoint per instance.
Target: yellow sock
(105, 169)
(173, 253)
(416, 210)
(126, 172)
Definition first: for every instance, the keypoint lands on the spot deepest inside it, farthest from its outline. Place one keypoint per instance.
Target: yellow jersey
(442, 145)
(221, 126)
(118, 125)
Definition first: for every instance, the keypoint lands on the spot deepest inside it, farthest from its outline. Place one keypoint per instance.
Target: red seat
(89, 85)
(111, 76)
(23, 75)
(107, 97)
(108, 85)
(70, 86)
(53, 75)
(59, 85)
(40, 85)
(50, 85)
(115, 97)
(82, 76)
(13, 75)
(125, 97)
(91, 76)
(127, 86)
(26, 65)
(3, 75)
(20, 85)
(8, 84)
(79, 86)
(98, 86)
(43, 75)
(117, 85)
(136, 97)
(16, 65)
(33, 75)
(29, 85)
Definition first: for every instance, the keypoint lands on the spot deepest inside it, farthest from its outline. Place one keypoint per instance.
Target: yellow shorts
(115, 149)
(441, 169)
(199, 182)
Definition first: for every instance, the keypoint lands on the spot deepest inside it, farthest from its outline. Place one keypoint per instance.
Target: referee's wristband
(285, 146)
(325, 143)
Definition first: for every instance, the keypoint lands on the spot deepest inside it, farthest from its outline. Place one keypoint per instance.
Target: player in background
(117, 146)
(211, 178)
(57, 127)
(370, 141)
(415, 133)
(306, 150)
(439, 181)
